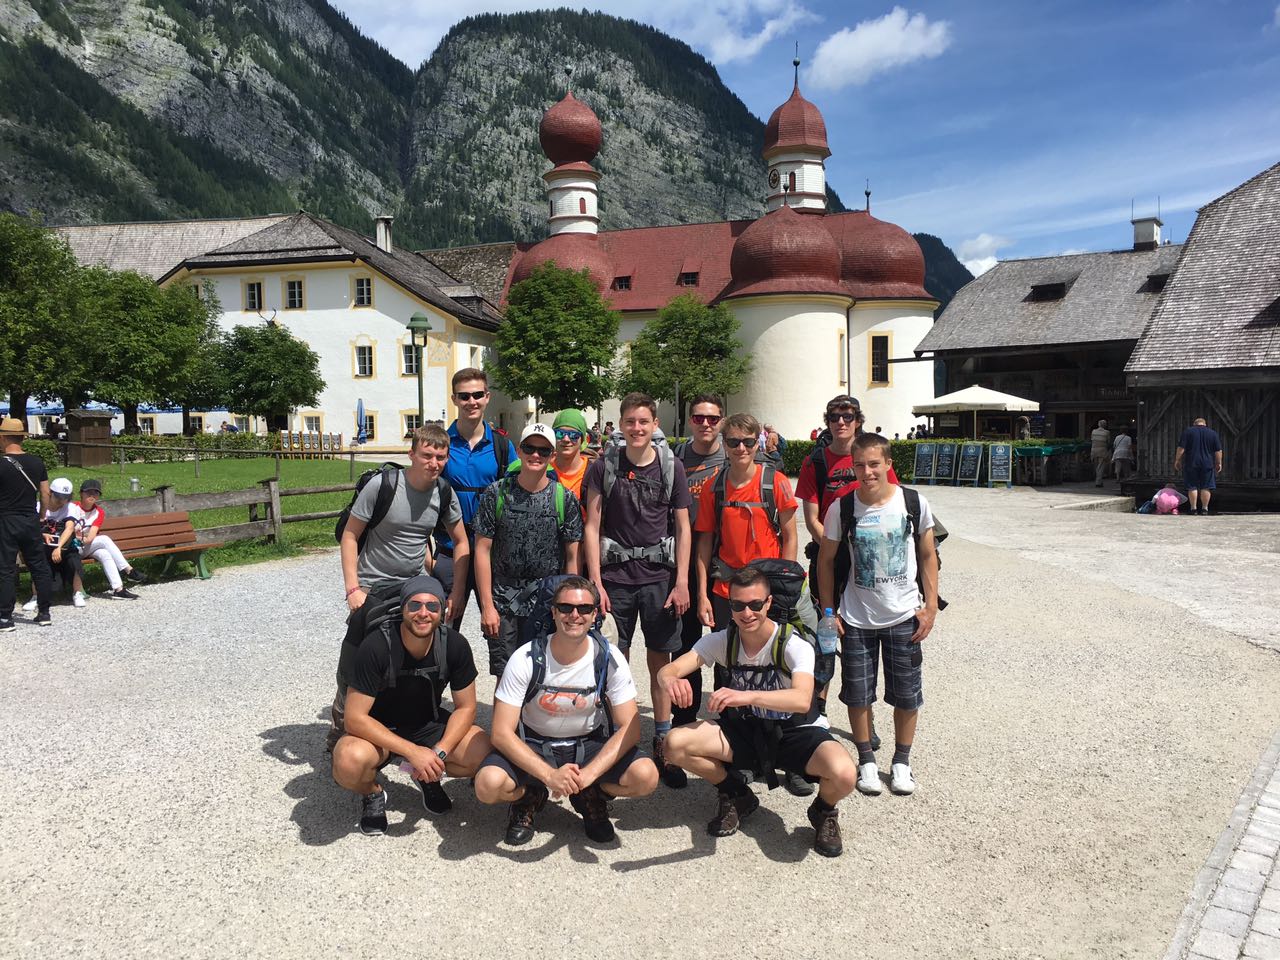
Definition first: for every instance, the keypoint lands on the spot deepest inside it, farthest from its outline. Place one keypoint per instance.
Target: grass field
(237, 474)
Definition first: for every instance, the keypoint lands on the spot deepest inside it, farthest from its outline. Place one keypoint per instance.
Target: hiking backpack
(720, 486)
(389, 479)
(385, 618)
(504, 483)
(848, 526)
(663, 553)
(501, 455)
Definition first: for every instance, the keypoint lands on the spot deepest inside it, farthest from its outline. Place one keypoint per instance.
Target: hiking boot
(433, 796)
(797, 785)
(731, 811)
(7, 626)
(42, 619)
(373, 813)
(869, 779)
(122, 594)
(77, 598)
(520, 821)
(826, 827)
(593, 804)
(30, 605)
(136, 575)
(672, 775)
(902, 782)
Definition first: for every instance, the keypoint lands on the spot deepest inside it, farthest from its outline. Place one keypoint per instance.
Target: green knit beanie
(573, 420)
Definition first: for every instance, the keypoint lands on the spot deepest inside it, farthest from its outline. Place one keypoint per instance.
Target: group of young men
(581, 537)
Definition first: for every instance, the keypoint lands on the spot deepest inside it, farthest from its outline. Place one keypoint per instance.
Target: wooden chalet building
(1057, 330)
(1212, 348)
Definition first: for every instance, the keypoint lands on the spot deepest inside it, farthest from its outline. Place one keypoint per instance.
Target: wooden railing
(266, 518)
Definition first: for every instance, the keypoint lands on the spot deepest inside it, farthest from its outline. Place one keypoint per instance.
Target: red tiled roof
(570, 131)
(797, 123)
(784, 252)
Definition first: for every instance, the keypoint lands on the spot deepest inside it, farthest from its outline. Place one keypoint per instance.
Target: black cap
(844, 400)
(90, 484)
(421, 584)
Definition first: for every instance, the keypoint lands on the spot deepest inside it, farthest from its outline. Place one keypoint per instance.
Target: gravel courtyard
(1097, 696)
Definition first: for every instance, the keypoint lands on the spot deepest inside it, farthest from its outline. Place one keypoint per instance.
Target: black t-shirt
(16, 495)
(413, 704)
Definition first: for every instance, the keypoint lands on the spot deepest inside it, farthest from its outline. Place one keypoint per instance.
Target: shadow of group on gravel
(326, 813)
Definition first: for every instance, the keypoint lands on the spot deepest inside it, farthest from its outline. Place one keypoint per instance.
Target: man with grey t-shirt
(396, 548)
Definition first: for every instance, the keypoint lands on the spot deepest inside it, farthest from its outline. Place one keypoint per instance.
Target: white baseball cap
(61, 486)
(539, 430)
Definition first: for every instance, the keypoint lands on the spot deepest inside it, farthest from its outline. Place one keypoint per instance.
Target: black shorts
(427, 736)
(660, 624)
(794, 751)
(562, 755)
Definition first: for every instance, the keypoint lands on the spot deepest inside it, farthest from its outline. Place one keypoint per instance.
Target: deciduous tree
(269, 372)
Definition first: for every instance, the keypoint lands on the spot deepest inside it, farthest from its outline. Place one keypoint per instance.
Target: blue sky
(1009, 129)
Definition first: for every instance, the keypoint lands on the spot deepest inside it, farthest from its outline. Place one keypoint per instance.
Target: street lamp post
(419, 323)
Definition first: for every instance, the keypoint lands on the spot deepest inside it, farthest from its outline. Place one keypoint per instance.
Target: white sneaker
(902, 781)
(30, 605)
(869, 779)
(77, 598)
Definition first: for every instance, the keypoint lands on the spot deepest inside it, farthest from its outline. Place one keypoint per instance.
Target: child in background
(101, 547)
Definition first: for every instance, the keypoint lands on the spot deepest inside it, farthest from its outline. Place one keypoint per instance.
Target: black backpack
(384, 619)
(849, 522)
(599, 670)
(720, 486)
(390, 480)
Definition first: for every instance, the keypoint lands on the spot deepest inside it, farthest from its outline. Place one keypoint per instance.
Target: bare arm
(44, 499)
(507, 741)
(679, 596)
(461, 564)
(426, 765)
(812, 522)
(461, 720)
(349, 549)
(591, 545)
(797, 699)
(827, 573)
(704, 578)
(790, 539)
(927, 560)
(1177, 458)
(490, 622)
(572, 563)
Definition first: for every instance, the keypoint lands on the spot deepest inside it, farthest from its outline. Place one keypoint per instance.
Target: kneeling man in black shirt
(393, 709)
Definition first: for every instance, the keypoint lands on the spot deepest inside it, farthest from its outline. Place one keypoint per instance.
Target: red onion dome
(785, 252)
(570, 132)
(570, 251)
(797, 124)
(878, 260)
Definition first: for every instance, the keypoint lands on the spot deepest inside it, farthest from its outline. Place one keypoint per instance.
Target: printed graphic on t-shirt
(881, 555)
(566, 701)
(758, 679)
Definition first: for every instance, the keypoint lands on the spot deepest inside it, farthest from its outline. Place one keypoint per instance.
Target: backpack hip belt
(555, 750)
(662, 553)
(515, 598)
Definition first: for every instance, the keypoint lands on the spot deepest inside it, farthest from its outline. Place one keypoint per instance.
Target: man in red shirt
(827, 474)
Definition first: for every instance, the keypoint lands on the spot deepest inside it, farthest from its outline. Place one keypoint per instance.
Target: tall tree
(38, 287)
(269, 372)
(203, 384)
(688, 348)
(558, 340)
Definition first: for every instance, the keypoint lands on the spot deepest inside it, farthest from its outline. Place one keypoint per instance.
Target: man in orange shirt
(571, 458)
(746, 513)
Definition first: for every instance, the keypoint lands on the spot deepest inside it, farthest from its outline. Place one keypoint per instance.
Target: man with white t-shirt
(552, 714)
(769, 716)
(878, 565)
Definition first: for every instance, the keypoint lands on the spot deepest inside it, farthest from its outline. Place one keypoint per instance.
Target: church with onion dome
(827, 302)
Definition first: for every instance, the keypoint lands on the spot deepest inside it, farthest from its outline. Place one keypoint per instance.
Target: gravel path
(1078, 756)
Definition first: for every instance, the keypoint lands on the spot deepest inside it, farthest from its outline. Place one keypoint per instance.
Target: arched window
(791, 181)
(582, 205)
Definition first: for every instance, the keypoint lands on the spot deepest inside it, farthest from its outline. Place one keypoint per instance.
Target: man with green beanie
(572, 454)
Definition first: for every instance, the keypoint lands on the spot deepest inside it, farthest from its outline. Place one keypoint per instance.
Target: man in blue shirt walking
(478, 455)
(1199, 457)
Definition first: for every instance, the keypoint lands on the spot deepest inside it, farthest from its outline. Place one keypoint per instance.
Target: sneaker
(593, 804)
(797, 785)
(30, 606)
(875, 738)
(122, 594)
(7, 626)
(136, 575)
(433, 796)
(373, 813)
(826, 827)
(869, 779)
(42, 619)
(902, 782)
(77, 598)
(731, 811)
(672, 775)
(520, 821)
(1202, 511)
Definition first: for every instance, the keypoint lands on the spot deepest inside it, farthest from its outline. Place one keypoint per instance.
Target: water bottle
(828, 636)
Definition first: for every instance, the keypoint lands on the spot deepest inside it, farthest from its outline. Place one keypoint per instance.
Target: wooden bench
(170, 535)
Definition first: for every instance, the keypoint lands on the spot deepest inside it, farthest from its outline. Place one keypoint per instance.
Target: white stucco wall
(889, 405)
(811, 177)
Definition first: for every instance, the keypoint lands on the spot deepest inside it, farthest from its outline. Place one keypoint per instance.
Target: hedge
(46, 450)
(212, 444)
(902, 452)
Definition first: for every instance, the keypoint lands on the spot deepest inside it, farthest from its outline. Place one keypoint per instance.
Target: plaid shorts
(858, 665)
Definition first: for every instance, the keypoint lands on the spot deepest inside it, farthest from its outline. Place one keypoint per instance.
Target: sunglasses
(472, 395)
(562, 434)
(842, 417)
(582, 609)
(706, 419)
(737, 606)
(735, 442)
(535, 450)
(413, 606)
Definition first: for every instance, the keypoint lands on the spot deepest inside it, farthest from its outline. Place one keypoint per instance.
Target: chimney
(1146, 232)
(382, 238)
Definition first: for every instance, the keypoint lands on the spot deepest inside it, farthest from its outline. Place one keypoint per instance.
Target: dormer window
(622, 283)
(1155, 283)
(688, 278)
(1044, 292)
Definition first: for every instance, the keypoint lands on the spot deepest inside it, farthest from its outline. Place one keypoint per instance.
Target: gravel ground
(1077, 756)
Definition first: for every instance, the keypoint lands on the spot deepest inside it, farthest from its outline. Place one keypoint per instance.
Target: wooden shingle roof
(1109, 296)
(1222, 307)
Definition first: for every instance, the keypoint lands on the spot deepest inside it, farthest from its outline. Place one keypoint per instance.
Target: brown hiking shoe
(672, 775)
(826, 826)
(520, 821)
(593, 804)
(731, 811)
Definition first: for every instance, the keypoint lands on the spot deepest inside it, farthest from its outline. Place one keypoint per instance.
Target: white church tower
(570, 135)
(795, 146)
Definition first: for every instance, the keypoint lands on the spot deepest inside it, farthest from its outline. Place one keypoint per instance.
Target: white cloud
(1276, 22)
(978, 254)
(724, 30)
(854, 56)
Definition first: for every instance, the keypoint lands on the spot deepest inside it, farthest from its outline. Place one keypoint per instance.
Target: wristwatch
(442, 754)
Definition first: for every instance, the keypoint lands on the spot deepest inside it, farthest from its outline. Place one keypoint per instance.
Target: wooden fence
(266, 517)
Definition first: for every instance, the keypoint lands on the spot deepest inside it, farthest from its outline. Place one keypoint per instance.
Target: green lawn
(237, 474)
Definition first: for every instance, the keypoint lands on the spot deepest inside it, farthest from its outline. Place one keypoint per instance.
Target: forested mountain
(149, 109)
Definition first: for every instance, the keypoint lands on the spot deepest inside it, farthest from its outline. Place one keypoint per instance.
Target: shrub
(46, 450)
